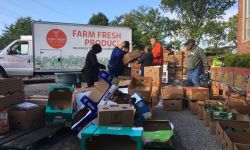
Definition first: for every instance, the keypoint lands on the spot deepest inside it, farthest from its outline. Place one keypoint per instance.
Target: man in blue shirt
(116, 65)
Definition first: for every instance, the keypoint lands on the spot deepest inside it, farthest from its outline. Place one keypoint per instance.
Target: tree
(215, 33)
(146, 23)
(232, 29)
(22, 26)
(99, 19)
(195, 14)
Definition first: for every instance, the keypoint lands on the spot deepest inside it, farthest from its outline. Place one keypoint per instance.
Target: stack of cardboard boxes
(154, 72)
(179, 64)
(185, 54)
(14, 112)
(172, 98)
(195, 94)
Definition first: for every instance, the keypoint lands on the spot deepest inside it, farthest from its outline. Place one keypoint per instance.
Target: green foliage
(173, 45)
(12, 32)
(215, 30)
(99, 19)
(232, 27)
(195, 14)
(146, 23)
(234, 60)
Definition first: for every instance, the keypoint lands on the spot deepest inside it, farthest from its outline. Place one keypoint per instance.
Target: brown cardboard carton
(171, 58)
(98, 90)
(135, 70)
(200, 105)
(213, 75)
(193, 106)
(215, 88)
(165, 57)
(220, 125)
(155, 100)
(179, 60)
(232, 138)
(4, 121)
(26, 119)
(175, 105)
(241, 76)
(116, 115)
(130, 56)
(178, 53)
(197, 93)
(239, 146)
(142, 85)
(155, 72)
(179, 75)
(170, 92)
(228, 76)
(155, 91)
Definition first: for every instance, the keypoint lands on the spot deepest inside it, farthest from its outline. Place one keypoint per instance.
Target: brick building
(243, 36)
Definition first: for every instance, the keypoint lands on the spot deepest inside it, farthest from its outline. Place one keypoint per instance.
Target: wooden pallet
(24, 139)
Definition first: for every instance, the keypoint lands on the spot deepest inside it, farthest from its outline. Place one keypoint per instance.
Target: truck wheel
(3, 73)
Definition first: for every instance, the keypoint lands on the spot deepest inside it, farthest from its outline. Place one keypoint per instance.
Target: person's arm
(142, 59)
(157, 51)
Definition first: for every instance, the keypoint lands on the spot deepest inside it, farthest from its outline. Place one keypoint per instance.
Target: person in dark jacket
(92, 66)
(116, 65)
(146, 59)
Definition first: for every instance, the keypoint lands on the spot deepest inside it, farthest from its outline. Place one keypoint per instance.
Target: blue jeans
(194, 76)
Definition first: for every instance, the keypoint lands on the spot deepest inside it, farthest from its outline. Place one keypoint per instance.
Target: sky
(73, 11)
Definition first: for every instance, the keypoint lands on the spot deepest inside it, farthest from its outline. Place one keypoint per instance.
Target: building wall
(243, 45)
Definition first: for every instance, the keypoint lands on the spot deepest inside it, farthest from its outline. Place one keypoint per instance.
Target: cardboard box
(179, 75)
(4, 121)
(165, 57)
(11, 85)
(200, 106)
(175, 105)
(193, 106)
(170, 92)
(197, 93)
(155, 100)
(241, 76)
(155, 72)
(136, 70)
(232, 138)
(228, 76)
(130, 56)
(113, 138)
(171, 59)
(59, 107)
(142, 85)
(213, 75)
(155, 91)
(26, 119)
(158, 134)
(239, 146)
(215, 88)
(116, 115)
(179, 60)
(221, 125)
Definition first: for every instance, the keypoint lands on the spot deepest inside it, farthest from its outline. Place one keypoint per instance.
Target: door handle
(59, 59)
(41, 52)
(28, 61)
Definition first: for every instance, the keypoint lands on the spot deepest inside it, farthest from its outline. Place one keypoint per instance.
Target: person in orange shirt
(157, 51)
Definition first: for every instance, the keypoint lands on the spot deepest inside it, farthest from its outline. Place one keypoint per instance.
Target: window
(19, 48)
(247, 20)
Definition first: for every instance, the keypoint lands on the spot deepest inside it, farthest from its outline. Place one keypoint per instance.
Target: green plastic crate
(111, 138)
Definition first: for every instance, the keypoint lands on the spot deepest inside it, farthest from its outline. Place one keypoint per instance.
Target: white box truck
(58, 47)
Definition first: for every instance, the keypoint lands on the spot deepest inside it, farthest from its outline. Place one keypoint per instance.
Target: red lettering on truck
(86, 34)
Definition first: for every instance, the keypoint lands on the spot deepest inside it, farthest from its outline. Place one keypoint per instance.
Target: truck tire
(3, 73)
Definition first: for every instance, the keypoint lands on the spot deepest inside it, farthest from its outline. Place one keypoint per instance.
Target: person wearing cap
(116, 65)
(92, 66)
(157, 51)
(197, 62)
